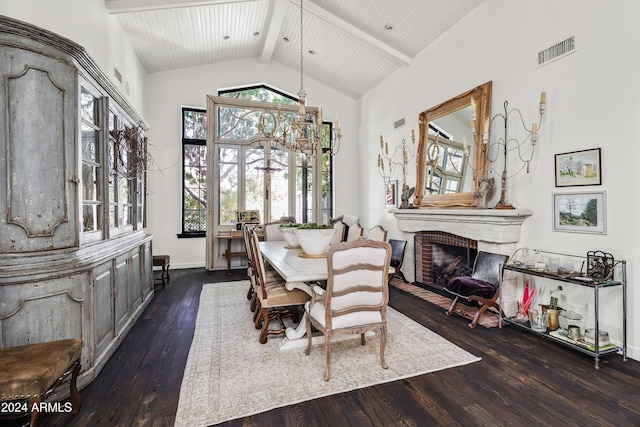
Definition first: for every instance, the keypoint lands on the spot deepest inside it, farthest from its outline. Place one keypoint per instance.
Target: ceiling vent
(398, 123)
(117, 74)
(557, 51)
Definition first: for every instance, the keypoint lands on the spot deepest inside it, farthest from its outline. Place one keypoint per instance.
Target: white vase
(314, 241)
(290, 237)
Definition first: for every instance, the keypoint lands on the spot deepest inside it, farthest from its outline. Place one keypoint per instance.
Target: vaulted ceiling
(355, 43)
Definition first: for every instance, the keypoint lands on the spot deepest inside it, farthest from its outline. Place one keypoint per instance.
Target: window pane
(228, 179)
(194, 124)
(279, 185)
(304, 193)
(195, 188)
(254, 181)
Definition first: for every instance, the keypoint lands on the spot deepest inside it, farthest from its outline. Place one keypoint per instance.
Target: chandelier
(301, 130)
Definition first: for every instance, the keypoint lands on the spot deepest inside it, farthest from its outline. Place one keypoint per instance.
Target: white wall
(167, 92)
(593, 101)
(87, 23)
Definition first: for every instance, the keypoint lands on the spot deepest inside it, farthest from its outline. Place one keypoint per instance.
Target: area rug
(229, 374)
(488, 319)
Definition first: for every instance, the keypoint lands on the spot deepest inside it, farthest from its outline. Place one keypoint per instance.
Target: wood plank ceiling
(352, 49)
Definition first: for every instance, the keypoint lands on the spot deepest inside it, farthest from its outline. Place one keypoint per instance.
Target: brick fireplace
(490, 230)
(441, 256)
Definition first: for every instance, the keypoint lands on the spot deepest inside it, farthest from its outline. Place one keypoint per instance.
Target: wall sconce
(400, 156)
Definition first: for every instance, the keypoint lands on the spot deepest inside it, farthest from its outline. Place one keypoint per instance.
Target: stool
(162, 261)
(31, 373)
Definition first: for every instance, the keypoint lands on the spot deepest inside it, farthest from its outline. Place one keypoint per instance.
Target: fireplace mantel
(492, 226)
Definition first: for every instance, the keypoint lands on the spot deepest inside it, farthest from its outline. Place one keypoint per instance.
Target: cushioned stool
(163, 261)
(31, 373)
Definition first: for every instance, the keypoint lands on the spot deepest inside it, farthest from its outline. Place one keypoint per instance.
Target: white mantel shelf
(494, 226)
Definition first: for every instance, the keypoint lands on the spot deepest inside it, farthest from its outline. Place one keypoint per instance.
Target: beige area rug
(229, 374)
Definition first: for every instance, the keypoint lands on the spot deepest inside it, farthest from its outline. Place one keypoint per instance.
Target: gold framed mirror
(446, 176)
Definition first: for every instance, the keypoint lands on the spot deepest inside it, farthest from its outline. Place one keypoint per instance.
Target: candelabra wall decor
(504, 144)
(400, 156)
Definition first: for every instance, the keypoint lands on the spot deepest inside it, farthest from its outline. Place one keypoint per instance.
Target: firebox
(441, 256)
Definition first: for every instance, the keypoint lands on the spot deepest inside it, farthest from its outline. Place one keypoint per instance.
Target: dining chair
(341, 232)
(377, 233)
(274, 301)
(272, 231)
(355, 232)
(482, 287)
(356, 295)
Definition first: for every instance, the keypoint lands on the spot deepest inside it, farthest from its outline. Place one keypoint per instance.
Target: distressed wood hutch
(75, 260)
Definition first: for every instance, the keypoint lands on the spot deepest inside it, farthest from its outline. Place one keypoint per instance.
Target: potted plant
(289, 235)
(314, 239)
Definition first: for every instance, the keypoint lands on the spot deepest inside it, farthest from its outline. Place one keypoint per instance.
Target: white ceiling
(354, 51)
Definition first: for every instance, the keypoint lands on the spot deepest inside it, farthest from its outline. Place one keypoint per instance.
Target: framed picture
(579, 212)
(578, 168)
(391, 193)
(248, 217)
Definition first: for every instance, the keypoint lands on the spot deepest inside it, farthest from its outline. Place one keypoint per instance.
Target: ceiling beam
(275, 20)
(356, 33)
(125, 6)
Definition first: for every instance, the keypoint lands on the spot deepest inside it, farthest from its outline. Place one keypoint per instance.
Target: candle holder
(504, 144)
(399, 157)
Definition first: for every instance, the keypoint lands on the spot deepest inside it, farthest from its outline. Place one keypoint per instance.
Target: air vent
(557, 51)
(117, 74)
(398, 123)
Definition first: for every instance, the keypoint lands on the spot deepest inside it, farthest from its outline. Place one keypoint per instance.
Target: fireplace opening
(440, 257)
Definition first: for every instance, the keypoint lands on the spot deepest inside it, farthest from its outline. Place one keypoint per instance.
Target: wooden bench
(162, 261)
(29, 374)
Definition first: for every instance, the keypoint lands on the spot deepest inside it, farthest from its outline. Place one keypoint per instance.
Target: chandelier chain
(301, 50)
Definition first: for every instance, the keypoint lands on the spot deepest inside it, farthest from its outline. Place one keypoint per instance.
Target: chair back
(397, 252)
(358, 283)
(487, 267)
(272, 231)
(340, 233)
(377, 233)
(354, 233)
(258, 263)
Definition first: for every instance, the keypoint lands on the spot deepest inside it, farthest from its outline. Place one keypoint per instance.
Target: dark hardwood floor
(522, 380)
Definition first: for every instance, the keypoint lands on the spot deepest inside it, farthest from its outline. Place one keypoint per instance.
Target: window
(194, 172)
(250, 175)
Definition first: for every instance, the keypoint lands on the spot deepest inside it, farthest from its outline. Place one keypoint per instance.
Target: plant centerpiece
(289, 235)
(554, 311)
(314, 239)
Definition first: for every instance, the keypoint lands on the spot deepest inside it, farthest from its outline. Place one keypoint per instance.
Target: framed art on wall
(391, 193)
(578, 168)
(579, 212)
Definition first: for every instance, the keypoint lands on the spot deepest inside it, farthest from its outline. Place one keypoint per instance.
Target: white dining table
(298, 272)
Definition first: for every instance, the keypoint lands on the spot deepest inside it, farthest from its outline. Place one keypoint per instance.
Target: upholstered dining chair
(482, 287)
(356, 296)
(272, 231)
(340, 234)
(355, 232)
(274, 301)
(270, 275)
(377, 233)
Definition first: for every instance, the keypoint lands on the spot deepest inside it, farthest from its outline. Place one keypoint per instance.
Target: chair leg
(76, 403)
(327, 352)
(476, 317)
(452, 307)
(35, 415)
(383, 344)
(309, 338)
(265, 325)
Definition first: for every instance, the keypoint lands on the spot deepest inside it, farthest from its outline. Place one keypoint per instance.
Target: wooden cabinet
(75, 260)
